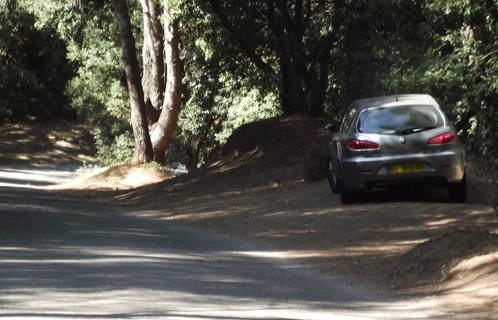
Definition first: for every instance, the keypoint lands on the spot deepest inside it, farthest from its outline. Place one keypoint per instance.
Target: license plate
(406, 168)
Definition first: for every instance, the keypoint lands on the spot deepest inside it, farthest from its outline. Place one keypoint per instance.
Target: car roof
(395, 101)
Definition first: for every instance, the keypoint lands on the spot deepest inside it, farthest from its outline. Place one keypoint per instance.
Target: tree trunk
(139, 122)
(191, 158)
(194, 145)
(292, 98)
(305, 62)
(316, 87)
(291, 95)
(153, 60)
(163, 131)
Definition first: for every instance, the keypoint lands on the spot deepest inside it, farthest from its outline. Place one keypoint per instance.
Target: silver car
(394, 140)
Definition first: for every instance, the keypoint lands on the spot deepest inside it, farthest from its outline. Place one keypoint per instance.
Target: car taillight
(444, 138)
(362, 145)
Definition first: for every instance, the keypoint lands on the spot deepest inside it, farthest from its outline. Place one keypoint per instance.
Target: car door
(339, 139)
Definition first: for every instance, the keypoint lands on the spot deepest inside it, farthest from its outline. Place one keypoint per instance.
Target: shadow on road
(63, 258)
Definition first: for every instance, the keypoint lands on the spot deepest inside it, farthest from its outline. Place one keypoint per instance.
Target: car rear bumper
(366, 172)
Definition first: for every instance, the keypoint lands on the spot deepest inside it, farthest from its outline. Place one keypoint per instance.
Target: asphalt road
(64, 258)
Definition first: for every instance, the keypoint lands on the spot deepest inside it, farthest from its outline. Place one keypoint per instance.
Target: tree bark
(144, 151)
(163, 131)
(292, 98)
(305, 62)
(153, 81)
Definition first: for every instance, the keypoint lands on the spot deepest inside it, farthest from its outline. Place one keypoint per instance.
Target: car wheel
(347, 196)
(458, 191)
(334, 182)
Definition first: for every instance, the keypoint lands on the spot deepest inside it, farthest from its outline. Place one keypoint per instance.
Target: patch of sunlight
(284, 254)
(441, 222)
(193, 216)
(487, 210)
(21, 141)
(86, 158)
(16, 249)
(65, 144)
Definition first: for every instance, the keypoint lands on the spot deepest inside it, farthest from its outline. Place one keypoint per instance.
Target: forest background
(236, 62)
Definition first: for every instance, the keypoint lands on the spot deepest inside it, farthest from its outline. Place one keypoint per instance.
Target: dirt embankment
(267, 184)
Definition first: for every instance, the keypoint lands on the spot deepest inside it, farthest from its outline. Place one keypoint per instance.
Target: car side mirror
(332, 127)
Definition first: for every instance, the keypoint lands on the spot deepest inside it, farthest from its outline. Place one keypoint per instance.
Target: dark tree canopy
(33, 68)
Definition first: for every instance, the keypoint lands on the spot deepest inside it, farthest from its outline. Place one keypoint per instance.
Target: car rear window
(399, 120)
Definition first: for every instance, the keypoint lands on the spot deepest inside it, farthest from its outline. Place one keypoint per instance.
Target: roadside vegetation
(194, 71)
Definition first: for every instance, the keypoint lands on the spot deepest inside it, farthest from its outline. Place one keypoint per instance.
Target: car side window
(348, 120)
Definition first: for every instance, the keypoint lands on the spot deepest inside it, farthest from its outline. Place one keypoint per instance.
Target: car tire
(334, 182)
(458, 191)
(347, 196)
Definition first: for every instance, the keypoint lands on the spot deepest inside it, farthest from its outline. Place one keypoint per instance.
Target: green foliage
(382, 48)
(153, 165)
(98, 91)
(120, 150)
(463, 71)
(223, 89)
(245, 106)
(446, 48)
(87, 170)
(33, 68)
(463, 68)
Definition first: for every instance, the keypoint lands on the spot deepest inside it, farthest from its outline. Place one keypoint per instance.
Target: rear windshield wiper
(413, 130)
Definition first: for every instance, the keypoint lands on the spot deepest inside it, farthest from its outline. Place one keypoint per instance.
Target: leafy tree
(463, 67)
(289, 41)
(384, 44)
(313, 55)
(33, 67)
(217, 76)
(143, 144)
(98, 90)
(72, 18)
(321, 54)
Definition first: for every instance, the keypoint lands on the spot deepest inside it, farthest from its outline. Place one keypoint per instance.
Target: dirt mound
(435, 259)
(278, 150)
(265, 155)
(121, 177)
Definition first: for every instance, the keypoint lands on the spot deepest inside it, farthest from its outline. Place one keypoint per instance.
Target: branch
(244, 43)
(294, 44)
